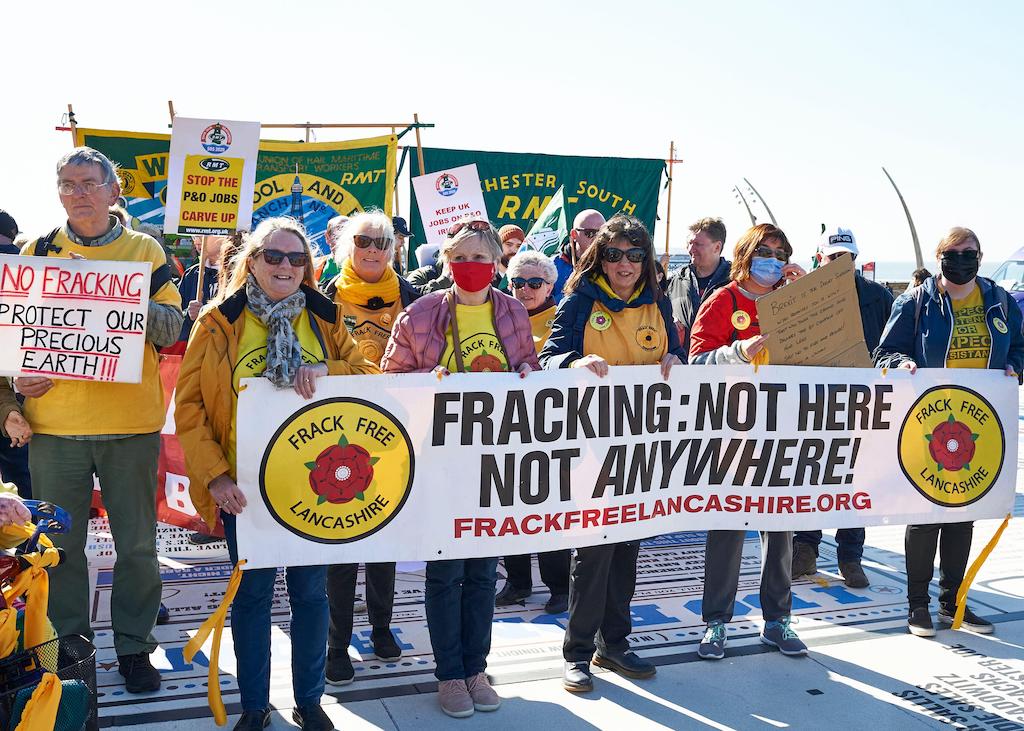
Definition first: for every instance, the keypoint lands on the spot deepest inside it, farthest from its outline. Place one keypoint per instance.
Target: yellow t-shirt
(252, 358)
(481, 349)
(371, 329)
(971, 342)
(540, 324)
(634, 336)
(82, 408)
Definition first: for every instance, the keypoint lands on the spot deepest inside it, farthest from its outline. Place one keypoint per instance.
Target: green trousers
(62, 473)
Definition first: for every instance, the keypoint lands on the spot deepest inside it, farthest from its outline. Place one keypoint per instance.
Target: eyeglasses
(364, 242)
(533, 282)
(766, 252)
(471, 225)
(275, 257)
(588, 232)
(635, 255)
(88, 188)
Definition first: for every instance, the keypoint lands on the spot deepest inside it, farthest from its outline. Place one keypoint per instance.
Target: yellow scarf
(602, 283)
(353, 289)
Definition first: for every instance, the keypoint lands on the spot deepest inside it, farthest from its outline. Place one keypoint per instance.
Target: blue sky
(806, 99)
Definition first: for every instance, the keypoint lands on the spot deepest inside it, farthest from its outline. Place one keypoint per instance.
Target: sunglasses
(364, 242)
(766, 252)
(588, 232)
(275, 257)
(471, 225)
(635, 255)
(533, 282)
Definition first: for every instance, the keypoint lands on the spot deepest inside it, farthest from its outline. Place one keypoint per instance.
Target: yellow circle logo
(648, 338)
(951, 446)
(740, 320)
(337, 471)
(1000, 325)
(370, 350)
(600, 320)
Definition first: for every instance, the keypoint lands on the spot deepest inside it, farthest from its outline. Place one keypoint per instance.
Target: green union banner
(310, 181)
(517, 186)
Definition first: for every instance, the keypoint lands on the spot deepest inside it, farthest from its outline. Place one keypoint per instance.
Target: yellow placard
(210, 194)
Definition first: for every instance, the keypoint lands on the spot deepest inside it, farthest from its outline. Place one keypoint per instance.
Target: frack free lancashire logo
(337, 471)
(951, 446)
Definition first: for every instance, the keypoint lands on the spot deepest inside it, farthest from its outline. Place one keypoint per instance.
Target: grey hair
(532, 258)
(489, 237)
(89, 156)
(376, 219)
(335, 225)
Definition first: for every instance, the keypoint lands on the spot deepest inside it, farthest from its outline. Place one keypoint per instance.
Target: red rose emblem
(341, 472)
(951, 445)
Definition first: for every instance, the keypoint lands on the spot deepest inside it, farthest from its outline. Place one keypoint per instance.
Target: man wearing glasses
(875, 305)
(581, 236)
(110, 429)
(707, 271)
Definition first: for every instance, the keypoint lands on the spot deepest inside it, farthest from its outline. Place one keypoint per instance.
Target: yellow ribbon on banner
(41, 710)
(961, 594)
(215, 624)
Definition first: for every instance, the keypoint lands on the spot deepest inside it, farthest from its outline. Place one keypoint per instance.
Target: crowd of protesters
(353, 312)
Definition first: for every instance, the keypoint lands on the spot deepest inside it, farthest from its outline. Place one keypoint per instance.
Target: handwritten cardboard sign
(73, 318)
(815, 321)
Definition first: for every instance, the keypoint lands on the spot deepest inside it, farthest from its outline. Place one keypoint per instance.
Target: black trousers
(954, 544)
(554, 571)
(341, 595)
(14, 467)
(601, 587)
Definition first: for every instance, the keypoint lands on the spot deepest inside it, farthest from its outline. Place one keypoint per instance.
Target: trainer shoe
(253, 720)
(712, 647)
(805, 560)
(779, 634)
(970, 621)
(312, 718)
(557, 604)
(454, 698)
(339, 670)
(626, 663)
(509, 595)
(577, 677)
(853, 574)
(384, 645)
(139, 674)
(483, 695)
(919, 622)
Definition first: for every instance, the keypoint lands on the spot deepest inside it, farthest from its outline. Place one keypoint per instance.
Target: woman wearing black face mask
(956, 319)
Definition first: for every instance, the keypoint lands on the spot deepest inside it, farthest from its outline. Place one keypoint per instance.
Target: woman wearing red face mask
(470, 327)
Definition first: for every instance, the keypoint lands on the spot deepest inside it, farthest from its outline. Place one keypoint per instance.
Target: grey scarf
(284, 354)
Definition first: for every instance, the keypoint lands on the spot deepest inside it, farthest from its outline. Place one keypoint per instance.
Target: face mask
(957, 268)
(472, 276)
(766, 271)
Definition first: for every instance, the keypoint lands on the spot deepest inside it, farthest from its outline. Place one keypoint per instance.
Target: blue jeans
(850, 542)
(250, 629)
(460, 606)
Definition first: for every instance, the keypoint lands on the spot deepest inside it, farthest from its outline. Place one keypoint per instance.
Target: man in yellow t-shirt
(111, 430)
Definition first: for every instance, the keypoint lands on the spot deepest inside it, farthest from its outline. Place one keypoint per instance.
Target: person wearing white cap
(875, 305)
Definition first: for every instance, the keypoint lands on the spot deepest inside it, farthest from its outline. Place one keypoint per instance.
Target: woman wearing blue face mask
(726, 330)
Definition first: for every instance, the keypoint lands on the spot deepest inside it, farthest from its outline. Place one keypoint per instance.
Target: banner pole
(668, 211)
(202, 271)
(170, 110)
(307, 132)
(419, 144)
(398, 210)
(72, 126)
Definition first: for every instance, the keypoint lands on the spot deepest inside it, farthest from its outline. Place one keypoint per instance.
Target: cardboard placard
(815, 320)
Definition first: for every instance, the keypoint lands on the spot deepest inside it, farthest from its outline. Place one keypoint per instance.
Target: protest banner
(73, 318)
(489, 464)
(211, 176)
(815, 320)
(517, 186)
(312, 182)
(445, 196)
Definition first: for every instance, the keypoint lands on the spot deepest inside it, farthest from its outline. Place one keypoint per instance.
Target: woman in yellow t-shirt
(269, 321)
(370, 295)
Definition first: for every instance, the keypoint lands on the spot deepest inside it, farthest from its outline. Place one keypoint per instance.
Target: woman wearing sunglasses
(471, 327)
(613, 313)
(370, 295)
(531, 278)
(269, 321)
(956, 319)
(726, 330)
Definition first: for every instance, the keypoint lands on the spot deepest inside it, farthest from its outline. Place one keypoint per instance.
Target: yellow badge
(337, 471)
(740, 320)
(600, 320)
(648, 338)
(1000, 325)
(385, 319)
(951, 446)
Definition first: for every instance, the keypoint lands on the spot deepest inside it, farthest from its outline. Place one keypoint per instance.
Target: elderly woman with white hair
(370, 295)
(531, 278)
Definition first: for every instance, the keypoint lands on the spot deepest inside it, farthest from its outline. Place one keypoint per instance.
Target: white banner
(406, 467)
(446, 196)
(73, 318)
